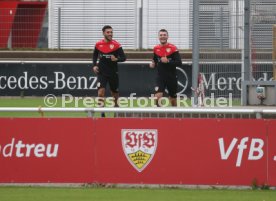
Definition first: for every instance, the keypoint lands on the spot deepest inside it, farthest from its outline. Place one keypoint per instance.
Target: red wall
(24, 22)
(188, 151)
(27, 24)
(7, 13)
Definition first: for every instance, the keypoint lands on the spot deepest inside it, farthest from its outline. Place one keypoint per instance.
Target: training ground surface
(131, 194)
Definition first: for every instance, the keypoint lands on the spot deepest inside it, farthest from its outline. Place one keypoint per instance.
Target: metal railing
(170, 112)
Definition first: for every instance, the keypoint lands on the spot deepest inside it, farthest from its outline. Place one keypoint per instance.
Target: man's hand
(113, 58)
(96, 69)
(164, 60)
(152, 64)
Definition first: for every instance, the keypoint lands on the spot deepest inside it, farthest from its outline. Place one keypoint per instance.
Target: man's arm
(121, 55)
(95, 68)
(95, 56)
(154, 61)
(176, 59)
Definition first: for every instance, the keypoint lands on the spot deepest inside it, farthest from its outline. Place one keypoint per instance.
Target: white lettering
(71, 82)
(66, 99)
(238, 83)
(54, 151)
(241, 147)
(43, 82)
(28, 150)
(59, 78)
(18, 146)
(22, 81)
(7, 150)
(33, 82)
(80, 83)
(211, 80)
(11, 82)
(5, 85)
(39, 149)
(222, 83)
(29, 147)
(256, 149)
(230, 79)
(88, 102)
(225, 154)
(93, 83)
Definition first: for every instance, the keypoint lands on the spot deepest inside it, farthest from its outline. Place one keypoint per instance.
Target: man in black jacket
(109, 52)
(166, 58)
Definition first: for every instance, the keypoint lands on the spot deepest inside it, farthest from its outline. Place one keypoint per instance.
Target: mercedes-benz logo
(182, 80)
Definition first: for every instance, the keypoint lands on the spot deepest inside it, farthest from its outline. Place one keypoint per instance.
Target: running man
(109, 52)
(166, 58)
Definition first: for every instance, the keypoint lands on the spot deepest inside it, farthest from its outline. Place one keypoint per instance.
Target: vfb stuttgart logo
(139, 146)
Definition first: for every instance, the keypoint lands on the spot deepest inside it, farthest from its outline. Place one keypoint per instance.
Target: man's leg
(115, 95)
(158, 95)
(173, 101)
(172, 89)
(101, 94)
(114, 89)
(101, 84)
(159, 90)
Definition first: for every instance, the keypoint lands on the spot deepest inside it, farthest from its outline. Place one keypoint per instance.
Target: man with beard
(109, 52)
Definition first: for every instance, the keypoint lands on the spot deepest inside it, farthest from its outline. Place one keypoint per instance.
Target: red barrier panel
(189, 151)
(148, 151)
(46, 150)
(271, 152)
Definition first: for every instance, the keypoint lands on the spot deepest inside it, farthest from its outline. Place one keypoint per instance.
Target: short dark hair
(106, 27)
(163, 30)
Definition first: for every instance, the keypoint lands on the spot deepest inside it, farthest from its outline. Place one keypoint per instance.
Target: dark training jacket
(103, 51)
(170, 51)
